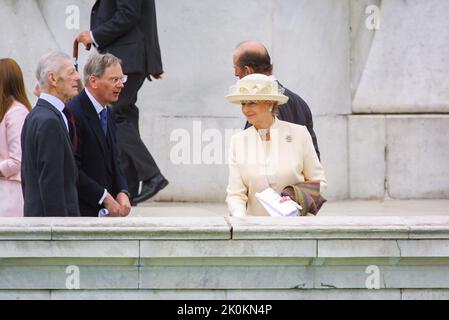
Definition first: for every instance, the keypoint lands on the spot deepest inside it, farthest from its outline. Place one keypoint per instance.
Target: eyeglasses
(116, 80)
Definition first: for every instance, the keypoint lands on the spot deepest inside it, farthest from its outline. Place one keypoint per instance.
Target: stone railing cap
(357, 227)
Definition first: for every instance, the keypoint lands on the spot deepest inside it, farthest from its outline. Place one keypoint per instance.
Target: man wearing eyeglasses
(102, 186)
(128, 30)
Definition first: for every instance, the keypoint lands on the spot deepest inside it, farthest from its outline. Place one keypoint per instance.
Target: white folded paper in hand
(270, 199)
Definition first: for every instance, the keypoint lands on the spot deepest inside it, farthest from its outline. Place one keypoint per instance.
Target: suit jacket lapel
(275, 145)
(45, 104)
(110, 124)
(94, 122)
(268, 155)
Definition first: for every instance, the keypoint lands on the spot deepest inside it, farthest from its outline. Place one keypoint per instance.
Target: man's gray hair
(50, 62)
(97, 64)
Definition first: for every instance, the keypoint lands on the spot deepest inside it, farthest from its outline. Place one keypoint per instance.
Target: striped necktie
(72, 128)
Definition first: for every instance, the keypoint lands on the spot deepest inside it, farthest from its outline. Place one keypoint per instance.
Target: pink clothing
(11, 198)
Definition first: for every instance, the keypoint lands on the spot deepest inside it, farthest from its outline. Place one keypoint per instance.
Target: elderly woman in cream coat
(270, 154)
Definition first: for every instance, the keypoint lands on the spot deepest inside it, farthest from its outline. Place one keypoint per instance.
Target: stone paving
(435, 207)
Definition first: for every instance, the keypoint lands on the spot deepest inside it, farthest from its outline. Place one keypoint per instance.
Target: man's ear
(51, 79)
(93, 83)
(248, 70)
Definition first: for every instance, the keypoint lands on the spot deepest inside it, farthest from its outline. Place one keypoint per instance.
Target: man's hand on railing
(113, 206)
(123, 201)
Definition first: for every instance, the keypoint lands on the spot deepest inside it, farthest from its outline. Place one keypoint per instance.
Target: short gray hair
(50, 62)
(97, 64)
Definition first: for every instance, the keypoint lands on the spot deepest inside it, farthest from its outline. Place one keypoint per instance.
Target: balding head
(252, 46)
(251, 57)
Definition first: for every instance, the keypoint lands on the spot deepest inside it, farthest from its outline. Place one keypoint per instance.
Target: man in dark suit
(128, 30)
(49, 173)
(252, 57)
(102, 184)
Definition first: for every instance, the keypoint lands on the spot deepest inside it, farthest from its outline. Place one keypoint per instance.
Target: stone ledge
(230, 248)
(286, 294)
(226, 228)
(68, 249)
(296, 294)
(378, 227)
(225, 257)
(113, 228)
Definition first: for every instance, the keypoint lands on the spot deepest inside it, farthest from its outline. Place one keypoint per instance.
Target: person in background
(14, 107)
(271, 153)
(252, 57)
(128, 30)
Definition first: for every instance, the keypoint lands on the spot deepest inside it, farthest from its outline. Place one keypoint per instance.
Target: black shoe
(150, 188)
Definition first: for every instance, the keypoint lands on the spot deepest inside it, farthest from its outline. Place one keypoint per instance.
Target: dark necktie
(104, 120)
(72, 128)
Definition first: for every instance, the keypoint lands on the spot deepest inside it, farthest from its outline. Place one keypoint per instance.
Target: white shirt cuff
(93, 39)
(103, 213)
(103, 197)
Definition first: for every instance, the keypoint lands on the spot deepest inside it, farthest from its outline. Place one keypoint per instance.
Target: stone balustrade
(225, 258)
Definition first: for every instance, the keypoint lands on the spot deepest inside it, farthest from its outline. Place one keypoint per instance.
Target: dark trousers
(137, 162)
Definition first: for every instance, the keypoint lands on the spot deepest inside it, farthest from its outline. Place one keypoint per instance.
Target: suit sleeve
(88, 190)
(120, 179)
(50, 167)
(125, 18)
(237, 192)
(120, 182)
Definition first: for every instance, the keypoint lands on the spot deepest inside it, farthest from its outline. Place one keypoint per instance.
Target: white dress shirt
(98, 108)
(57, 103)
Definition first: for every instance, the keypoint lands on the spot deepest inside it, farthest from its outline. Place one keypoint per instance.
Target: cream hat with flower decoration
(256, 87)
